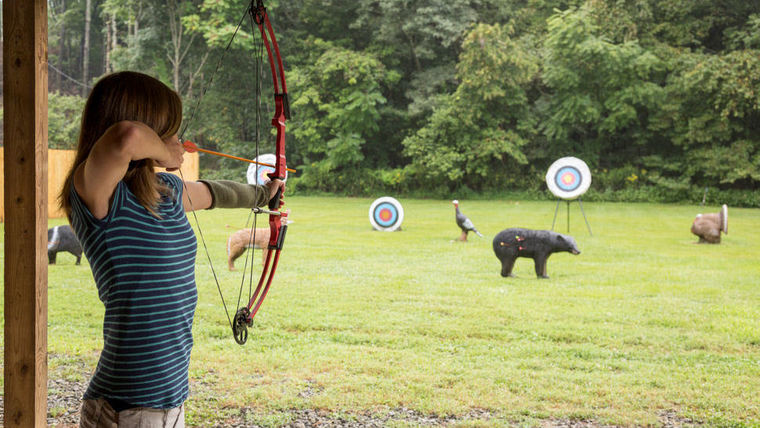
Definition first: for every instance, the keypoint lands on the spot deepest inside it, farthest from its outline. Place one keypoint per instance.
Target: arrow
(190, 147)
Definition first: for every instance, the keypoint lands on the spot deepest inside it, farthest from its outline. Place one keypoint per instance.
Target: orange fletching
(189, 146)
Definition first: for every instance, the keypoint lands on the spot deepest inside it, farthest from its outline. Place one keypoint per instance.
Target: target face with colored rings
(568, 178)
(386, 214)
(258, 174)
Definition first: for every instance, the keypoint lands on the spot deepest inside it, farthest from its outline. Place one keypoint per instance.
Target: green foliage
(746, 37)
(602, 92)
(217, 21)
(433, 97)
(64, 118)
(420, 39)
(339, 111)
(483, 126)
(624, 21)
(712, 116)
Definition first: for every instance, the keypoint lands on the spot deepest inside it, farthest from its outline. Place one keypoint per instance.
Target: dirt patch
(67, 384)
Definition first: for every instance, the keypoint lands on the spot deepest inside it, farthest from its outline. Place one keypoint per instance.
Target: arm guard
(231, 194)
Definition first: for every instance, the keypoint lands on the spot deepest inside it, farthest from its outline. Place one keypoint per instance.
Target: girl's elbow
(125, 139)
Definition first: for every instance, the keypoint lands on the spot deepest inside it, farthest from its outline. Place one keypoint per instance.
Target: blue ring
(572, 170)
(390, 207)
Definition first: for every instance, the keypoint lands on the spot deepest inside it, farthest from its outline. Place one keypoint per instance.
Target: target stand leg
(588, 226)
(556, 210)
(580, 204)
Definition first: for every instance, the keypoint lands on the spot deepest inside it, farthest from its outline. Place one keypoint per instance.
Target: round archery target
(568, 178)
(386, 214)
(257, 174)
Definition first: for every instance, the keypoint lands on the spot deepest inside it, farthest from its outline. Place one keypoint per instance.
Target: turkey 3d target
(386, 214)
(568, 178)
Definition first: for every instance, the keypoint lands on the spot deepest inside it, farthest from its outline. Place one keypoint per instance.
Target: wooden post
(25, 125)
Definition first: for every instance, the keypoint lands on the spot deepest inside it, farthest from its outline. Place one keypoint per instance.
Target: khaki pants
(99, 414)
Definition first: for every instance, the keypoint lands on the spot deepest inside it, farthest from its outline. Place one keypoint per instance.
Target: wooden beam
(25, 127)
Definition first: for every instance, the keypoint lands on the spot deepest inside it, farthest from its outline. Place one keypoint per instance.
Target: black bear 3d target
(386, 214)
(568, 178)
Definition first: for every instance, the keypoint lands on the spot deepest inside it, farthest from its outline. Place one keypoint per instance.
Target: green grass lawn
(643, 322)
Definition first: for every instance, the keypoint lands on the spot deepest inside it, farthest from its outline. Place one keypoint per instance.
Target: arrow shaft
(211, 152)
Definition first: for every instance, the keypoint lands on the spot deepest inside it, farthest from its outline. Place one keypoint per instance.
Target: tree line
(437, 98)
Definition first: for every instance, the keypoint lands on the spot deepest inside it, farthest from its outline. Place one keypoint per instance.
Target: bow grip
(274, 203)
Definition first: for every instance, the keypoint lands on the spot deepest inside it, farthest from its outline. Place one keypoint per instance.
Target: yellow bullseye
(568, 178)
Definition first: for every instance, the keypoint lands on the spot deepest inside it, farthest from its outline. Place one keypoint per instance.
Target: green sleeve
(231, 194)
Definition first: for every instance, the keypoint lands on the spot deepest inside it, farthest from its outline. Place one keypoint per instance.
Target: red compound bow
(243, 318)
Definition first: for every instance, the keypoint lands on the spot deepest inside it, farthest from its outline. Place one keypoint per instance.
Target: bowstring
(189, 199)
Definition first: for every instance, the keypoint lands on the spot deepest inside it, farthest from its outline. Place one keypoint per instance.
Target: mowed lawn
(643, 323)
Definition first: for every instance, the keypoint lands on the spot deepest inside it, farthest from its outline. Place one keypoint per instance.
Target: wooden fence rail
(59, 162)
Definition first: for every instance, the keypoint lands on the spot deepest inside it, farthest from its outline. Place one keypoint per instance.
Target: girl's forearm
(138, 141)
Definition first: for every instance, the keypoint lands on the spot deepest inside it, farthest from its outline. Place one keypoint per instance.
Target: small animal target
(258, 174)
(568, 178)
(386, 214)
(709, 226)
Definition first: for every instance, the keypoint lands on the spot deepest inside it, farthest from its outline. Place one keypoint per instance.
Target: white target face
(386, 214)
(568, 178)
(724, 218)
(257, 174)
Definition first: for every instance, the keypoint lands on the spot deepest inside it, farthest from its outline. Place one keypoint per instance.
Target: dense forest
(447, 98)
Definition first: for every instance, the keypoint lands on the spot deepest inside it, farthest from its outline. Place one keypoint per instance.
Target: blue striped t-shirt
(144, 268)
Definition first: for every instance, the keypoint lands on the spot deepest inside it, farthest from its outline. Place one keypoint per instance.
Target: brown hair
(127, 95)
